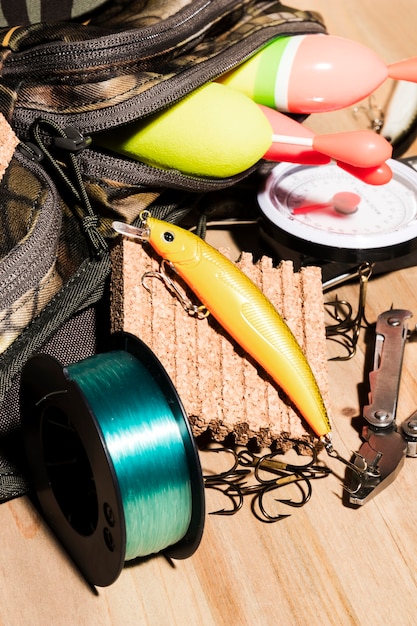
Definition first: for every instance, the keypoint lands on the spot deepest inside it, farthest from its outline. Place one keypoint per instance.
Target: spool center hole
(69, 471)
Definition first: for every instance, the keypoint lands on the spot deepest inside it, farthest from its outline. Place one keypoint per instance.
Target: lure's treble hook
(231, 490)
(227, 482)
(198, 311)
(142, 233)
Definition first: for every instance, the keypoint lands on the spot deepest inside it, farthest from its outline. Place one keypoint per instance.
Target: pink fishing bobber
(380, 175)
(404, 70)
(361, 148)
(293, 142)
(291, 153)
(361, 153)
(309, 74)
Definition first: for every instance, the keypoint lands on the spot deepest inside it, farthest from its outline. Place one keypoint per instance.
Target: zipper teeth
(29, 262)
(161, 95)
(119, 46)
(151, 101)
(129, 172)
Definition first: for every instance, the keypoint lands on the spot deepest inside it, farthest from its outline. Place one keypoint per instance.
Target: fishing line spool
(112, 458)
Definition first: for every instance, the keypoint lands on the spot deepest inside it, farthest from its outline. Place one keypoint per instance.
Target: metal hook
(231, 472)
(274, 465)
(373, 112)
(299, 474)
(198, 311)
(232, 491)
(347, 323)
(231, 481)
(342, 312)
(260, 490)
(307, 471)
(263, 490)
(267, 517)
(298, 480)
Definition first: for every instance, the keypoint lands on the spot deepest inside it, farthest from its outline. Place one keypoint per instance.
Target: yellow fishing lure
(243, 311)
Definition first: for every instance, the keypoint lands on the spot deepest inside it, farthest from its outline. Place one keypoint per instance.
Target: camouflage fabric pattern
(17, 12)
(131, 75)
(112, 63)
(131, 59)
(28, 248)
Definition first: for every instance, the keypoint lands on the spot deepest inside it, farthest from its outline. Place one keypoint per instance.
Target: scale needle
(345, 202)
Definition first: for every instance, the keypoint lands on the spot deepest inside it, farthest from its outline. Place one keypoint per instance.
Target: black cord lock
(74, 141)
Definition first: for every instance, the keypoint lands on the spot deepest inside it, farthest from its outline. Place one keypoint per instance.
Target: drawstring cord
(71, 142)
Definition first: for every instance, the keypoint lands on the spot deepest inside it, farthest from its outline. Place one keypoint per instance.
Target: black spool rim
(46, 388)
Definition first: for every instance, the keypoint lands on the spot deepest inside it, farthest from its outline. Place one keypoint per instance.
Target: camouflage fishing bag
(61, 82)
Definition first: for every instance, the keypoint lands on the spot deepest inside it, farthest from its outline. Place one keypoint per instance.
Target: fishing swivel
(361, 474)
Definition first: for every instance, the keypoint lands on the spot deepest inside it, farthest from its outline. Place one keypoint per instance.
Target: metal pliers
(385, 446)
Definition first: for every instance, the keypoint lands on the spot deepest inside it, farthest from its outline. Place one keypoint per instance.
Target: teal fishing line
(112, 458)
(145, 445)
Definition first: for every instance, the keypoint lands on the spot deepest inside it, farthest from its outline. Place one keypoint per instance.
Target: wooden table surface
(327, 563)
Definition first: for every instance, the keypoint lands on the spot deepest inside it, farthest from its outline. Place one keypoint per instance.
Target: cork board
(221, 388)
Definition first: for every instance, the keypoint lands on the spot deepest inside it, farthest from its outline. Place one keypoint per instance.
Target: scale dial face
(384, 224)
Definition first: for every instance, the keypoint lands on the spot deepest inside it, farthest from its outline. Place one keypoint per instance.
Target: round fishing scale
(112, 458)
(382, 228)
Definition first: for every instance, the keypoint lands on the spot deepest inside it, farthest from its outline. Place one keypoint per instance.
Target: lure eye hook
(144, 215)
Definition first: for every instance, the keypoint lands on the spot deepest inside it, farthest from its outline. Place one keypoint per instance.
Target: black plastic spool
(71, 470)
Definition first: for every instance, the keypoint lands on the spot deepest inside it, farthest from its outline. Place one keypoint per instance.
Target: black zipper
(103, 52)
(100, 165)
(30, 260)
(165, 92)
